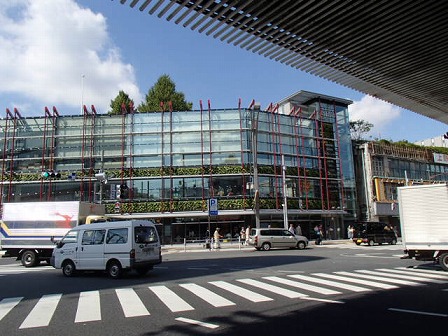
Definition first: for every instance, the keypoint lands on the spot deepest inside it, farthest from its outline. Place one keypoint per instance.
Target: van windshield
(145, 234)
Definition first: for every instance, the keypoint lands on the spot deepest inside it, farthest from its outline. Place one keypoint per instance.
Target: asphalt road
(342, 289)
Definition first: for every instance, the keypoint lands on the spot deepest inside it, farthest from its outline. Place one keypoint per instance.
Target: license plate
(147, 249)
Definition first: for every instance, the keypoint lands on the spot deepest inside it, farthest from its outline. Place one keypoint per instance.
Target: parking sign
(213, 207)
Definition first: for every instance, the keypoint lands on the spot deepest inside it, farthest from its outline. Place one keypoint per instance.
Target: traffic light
(122, 191)
(51, 174)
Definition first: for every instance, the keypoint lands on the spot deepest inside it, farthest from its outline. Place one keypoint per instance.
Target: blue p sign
(213, 207)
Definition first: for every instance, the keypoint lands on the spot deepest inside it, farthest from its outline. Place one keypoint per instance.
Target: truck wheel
(29, 258)
(371, 242)
(443, 261)
(114, 269)
(68, 268)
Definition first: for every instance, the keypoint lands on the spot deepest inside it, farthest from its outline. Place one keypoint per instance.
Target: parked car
(265, 239)
(372, 233)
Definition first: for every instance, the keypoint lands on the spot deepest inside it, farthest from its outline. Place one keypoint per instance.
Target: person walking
(298, 230)
(247, 235)
(350, 232)
(243, 235)
(216, 239)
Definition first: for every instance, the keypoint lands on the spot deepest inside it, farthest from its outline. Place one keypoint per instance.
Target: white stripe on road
(405, 277)
(380, 278)
(426, 275)
(131, 303)
(330, 283)
(6, 305)
(417, 312)
(357, 281)
(317, 289)
(174, 302)
(199, 323)
(88, 307)
(425, 271)
(207, 295)
(42, 312)
(240, 291)
(274, 289)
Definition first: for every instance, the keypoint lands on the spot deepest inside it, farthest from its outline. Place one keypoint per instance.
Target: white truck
(424, 222)
(27, 229)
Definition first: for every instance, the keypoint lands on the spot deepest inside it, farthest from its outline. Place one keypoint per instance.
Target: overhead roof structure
(395, 50)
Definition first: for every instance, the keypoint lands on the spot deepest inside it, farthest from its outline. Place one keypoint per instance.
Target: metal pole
(255, 166)
(285, 199)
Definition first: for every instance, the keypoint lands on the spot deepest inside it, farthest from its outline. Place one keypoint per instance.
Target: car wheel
(371, 242)
(29, 259)
(393, 242)
(358, 243)
(266, 246)
(114, 269)
(68, 268)
(443, 261)
(301, 245)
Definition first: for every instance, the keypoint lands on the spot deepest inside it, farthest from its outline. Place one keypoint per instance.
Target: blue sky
(66, 52)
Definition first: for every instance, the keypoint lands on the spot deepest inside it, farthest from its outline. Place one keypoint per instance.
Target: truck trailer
(28, 229)
(424, 222)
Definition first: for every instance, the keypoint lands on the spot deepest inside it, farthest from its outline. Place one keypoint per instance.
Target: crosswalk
(322, 287)
(19, 269)
(353, 246)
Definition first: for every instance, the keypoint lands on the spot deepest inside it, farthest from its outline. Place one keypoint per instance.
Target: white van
(114, 247)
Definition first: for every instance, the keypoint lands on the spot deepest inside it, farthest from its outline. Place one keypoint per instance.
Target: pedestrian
(298, 230)
(350, 232)
(243, 235)
(247, 235)
(216, 239)
(291, 229)
(318, 232)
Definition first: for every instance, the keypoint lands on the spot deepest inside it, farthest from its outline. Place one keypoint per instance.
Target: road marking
(88, 307)
(426, 275)
(317, 289)
(42, 312)
(357, 281)
(131, 303)
(174, 302)
(274, 289)
(426, 271)
(198, 268)
(330, 283)
(412, 278)
(199, 323)
(380, 278)
(207, 295)
(6, 305)
(417, 312)
(240, 291)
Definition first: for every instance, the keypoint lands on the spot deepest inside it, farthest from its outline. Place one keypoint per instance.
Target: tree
(164, 91)
(117, 103)
(358, 128)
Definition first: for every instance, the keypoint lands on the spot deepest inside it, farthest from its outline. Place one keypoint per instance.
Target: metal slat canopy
(395, 50)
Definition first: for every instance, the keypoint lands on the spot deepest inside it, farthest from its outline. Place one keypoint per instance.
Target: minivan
(114, 247)
(267, 238)
(372, 233)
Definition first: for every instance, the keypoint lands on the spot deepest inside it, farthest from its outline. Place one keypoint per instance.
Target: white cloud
(46, 46)
(375, 111)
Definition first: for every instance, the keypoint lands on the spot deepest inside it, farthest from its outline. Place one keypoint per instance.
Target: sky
(66, 53)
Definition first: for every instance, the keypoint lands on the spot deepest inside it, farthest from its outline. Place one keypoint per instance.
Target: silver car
(265, 239)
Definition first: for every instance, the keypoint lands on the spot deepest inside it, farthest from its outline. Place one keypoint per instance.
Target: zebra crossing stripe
(42, 312)
(174, 302)
(330, 283)
(274, 289)
(425, 271)
(240, 291)
(88, 307)
(357, 281)
(425, 275)
(311, 288)
(207, 295)
(199, 323)
(380, 278)
(409, 277)
(6, 305)
(131, 303)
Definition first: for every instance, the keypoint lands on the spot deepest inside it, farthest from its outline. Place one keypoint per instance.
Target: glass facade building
(167, 165)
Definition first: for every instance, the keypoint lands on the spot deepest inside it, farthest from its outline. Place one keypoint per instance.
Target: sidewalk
(234, 246)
